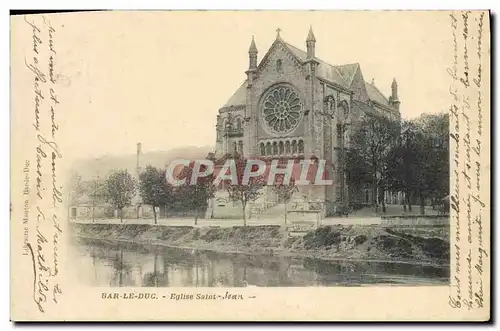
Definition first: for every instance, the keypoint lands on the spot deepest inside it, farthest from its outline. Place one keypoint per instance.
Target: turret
(311, 44)
(252, 66)
(252, 55)
(394, 99)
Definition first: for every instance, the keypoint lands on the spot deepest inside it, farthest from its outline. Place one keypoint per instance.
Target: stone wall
(417, 220)
(90, 212)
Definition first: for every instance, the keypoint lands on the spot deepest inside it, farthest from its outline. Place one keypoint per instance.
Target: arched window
(240, 147)
(262, 149)
(268, 149)
(367, 200)
(279, 65)
(281, 148)
(275, 148)
(301, 146)
(329, 104)
(344, 109)
(238, 123)
(235, 147)
(287, 148)
(294, 147)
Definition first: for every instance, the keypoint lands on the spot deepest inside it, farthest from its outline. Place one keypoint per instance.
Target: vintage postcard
(250, 166)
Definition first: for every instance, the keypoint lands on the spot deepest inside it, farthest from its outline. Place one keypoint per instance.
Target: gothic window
(275, 148)
(281, 148)
(329, 104)
(344, 109)
(262, 149)
(235, 147)
(279, 64)
(268, 149)
(346, 137)
(339, 131)
(282, 110)
(240, 147)
(238, 124)
(301, 146)
(227, 125)
(294, 147)
(287, 148)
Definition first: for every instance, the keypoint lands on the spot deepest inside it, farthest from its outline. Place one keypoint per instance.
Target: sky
(159, 78)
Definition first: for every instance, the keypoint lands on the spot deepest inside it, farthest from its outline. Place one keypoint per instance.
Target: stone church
(294, 105)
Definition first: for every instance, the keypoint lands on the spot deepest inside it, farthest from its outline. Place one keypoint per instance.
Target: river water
(124, 265)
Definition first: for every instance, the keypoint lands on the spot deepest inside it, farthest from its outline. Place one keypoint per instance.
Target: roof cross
(278, 30)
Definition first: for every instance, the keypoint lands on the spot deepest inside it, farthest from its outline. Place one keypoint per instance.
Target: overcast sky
(160, 77)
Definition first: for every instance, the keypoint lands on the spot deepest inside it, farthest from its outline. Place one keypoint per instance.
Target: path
(232, 222)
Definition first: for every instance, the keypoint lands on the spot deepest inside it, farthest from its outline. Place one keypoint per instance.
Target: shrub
(322, 237)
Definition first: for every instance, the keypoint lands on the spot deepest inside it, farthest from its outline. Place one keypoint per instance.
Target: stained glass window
(282, 110)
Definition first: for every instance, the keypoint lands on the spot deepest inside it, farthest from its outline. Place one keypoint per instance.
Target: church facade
(294, 105)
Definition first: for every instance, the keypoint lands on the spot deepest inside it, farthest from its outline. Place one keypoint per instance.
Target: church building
(294, 105)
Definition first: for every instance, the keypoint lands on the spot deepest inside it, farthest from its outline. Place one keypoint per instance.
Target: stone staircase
(273, 211)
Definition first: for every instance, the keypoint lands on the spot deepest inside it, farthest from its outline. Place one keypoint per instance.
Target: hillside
(102, 166)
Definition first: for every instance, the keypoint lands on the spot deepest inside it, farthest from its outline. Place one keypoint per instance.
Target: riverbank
(336, 242)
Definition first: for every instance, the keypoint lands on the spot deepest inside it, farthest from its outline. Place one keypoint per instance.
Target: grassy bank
(429, 246)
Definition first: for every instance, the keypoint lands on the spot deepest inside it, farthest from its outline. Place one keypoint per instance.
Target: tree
(244, 192)
(284, 191)
(153, 188)
(367, 156)
(419, 164)
(432, 179)
(120, 189)
(402, 162)
(196, 195)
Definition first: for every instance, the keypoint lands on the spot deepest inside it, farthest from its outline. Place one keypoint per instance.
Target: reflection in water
(118, 264)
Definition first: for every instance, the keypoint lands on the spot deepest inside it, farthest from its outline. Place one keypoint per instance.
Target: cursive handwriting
(466, 131)
(45, 250)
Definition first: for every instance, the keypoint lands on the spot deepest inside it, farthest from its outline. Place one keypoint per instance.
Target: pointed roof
(375, 95)
(253, 47)
(342, 75)
(310, 35)
(363, 108)
(394, 83)
(325, 70)
(239, 97)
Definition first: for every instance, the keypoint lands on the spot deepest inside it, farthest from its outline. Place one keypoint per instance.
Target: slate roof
(375, 95)
(363, 108)
(342, 75)
(239, 97)
(327, 71)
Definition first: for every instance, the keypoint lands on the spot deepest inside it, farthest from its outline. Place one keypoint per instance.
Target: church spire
(252, 54)
(310, 36)
(311, 44)
(253, 48)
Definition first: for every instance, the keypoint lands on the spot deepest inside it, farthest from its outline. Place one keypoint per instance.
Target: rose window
(282, 110)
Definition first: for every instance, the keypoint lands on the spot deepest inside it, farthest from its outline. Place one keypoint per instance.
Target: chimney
(139, 151)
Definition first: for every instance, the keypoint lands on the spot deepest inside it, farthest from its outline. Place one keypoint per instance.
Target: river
(133, 265)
